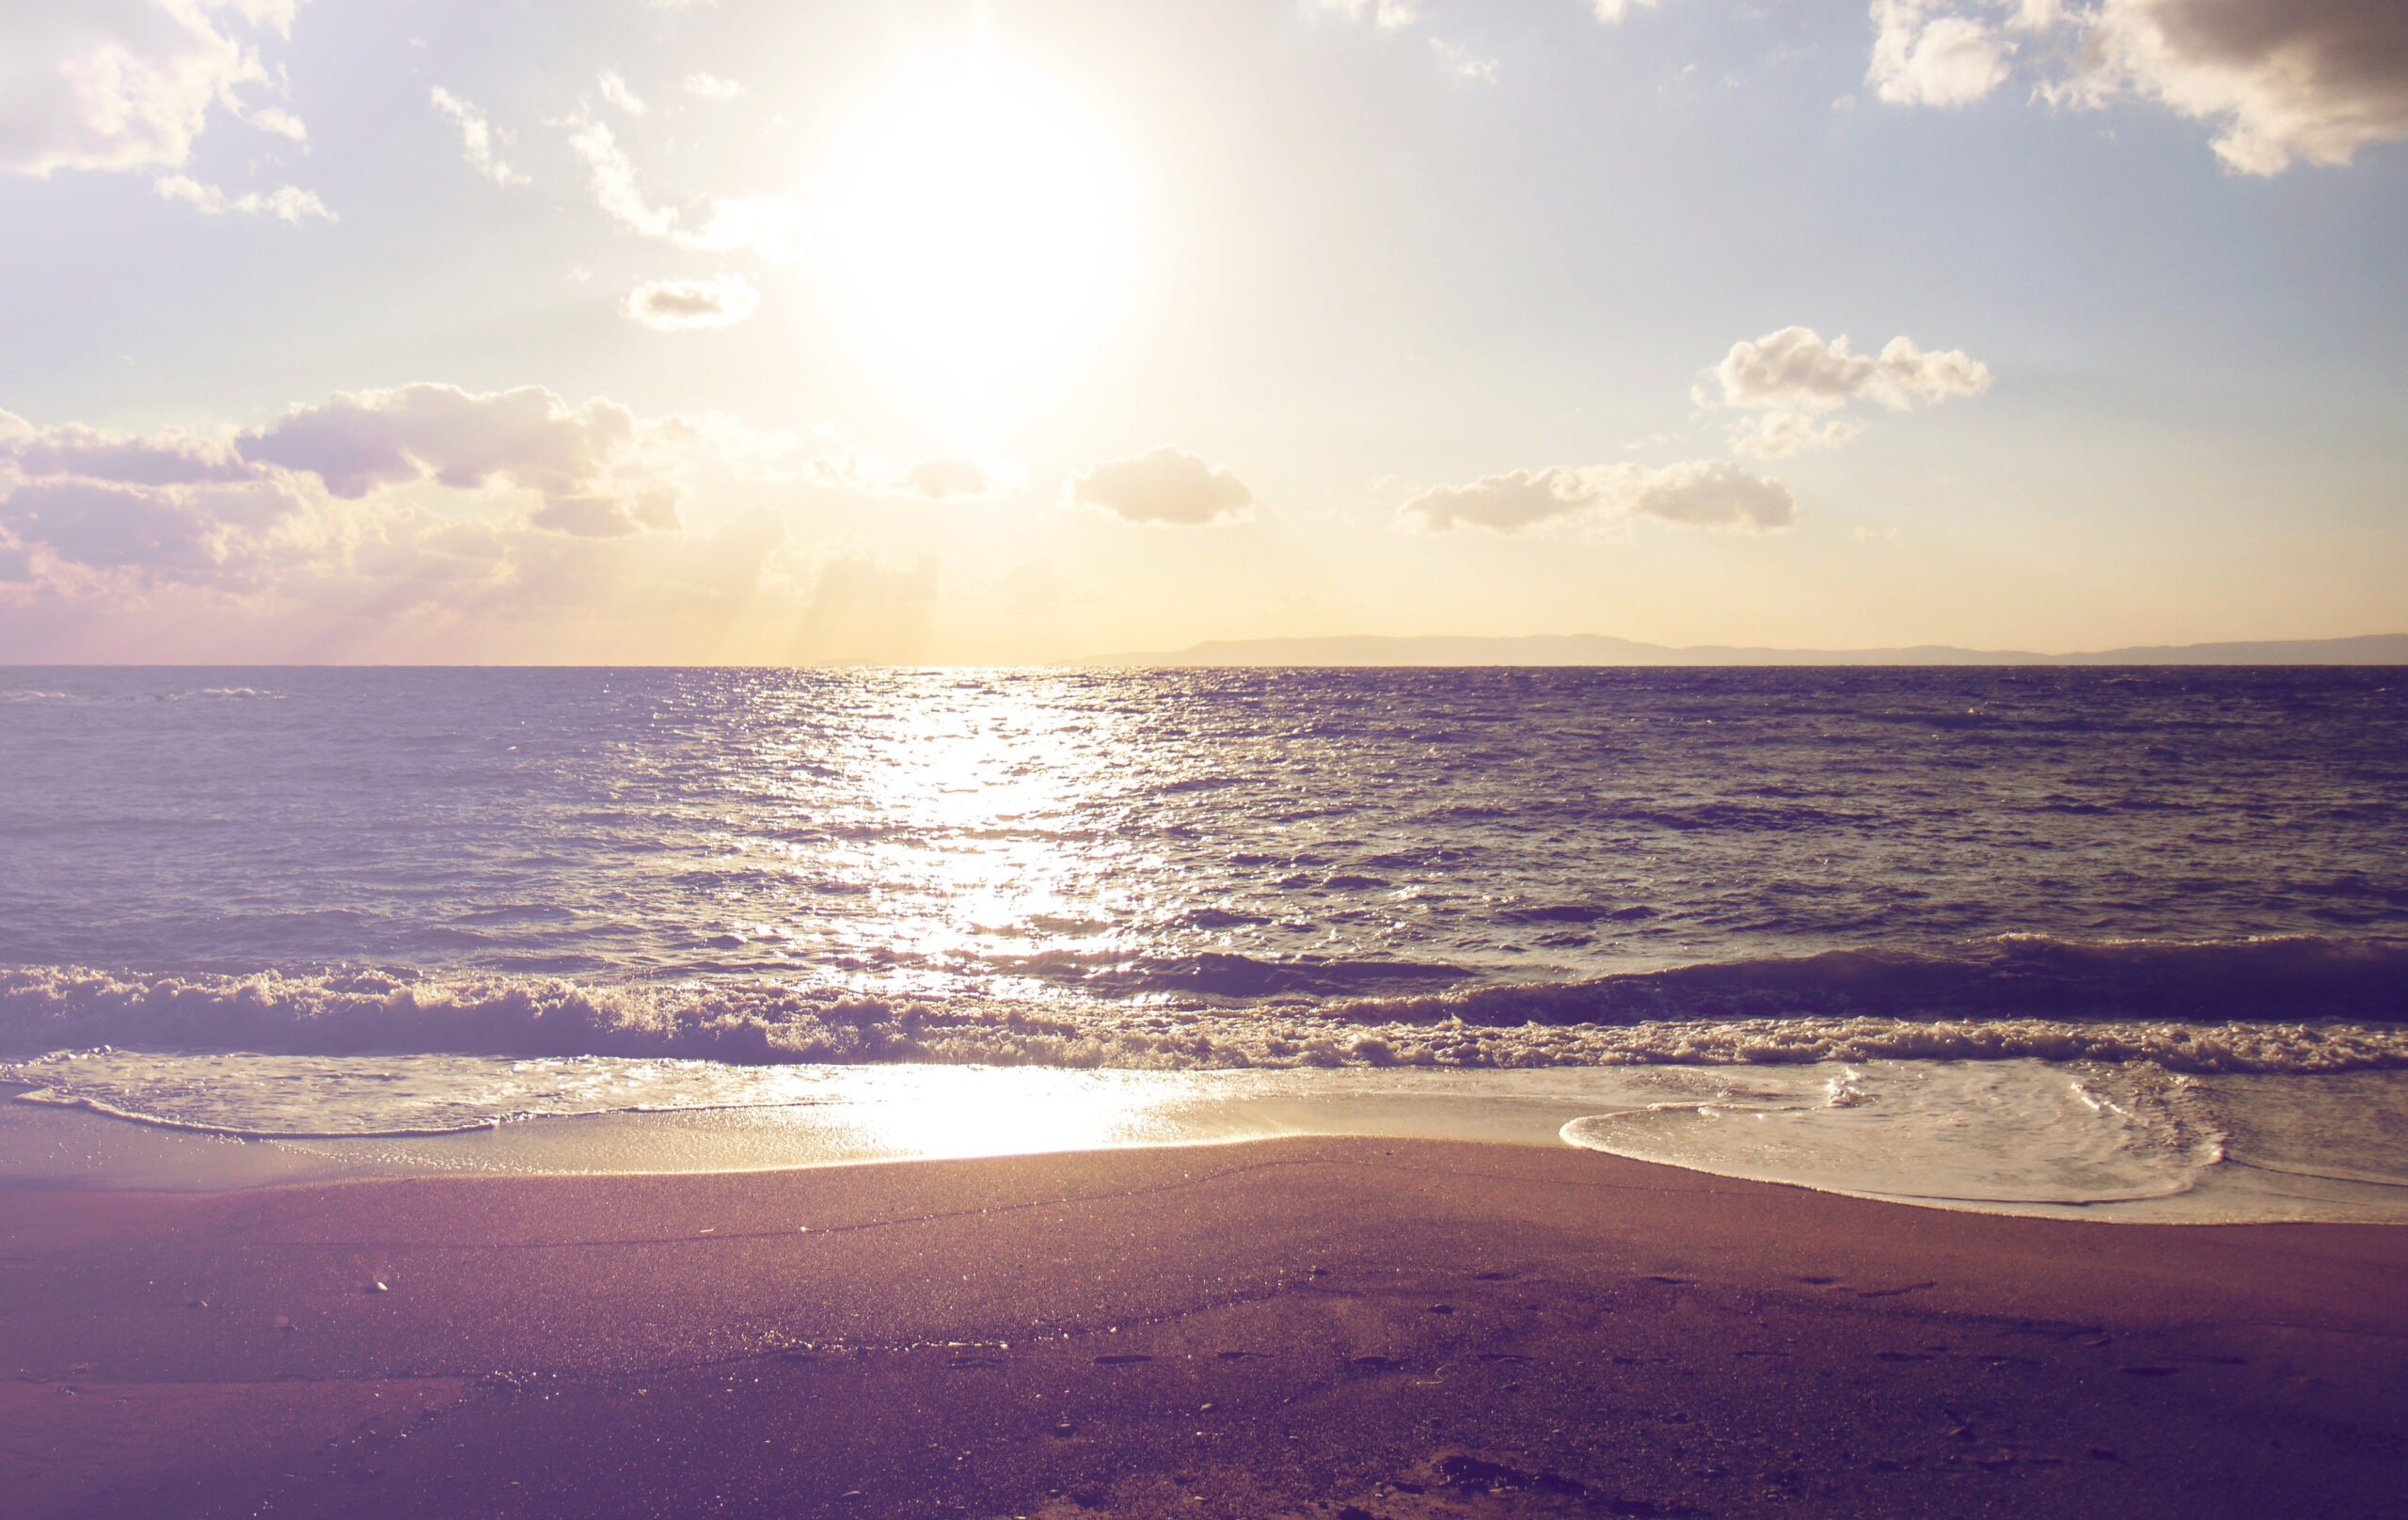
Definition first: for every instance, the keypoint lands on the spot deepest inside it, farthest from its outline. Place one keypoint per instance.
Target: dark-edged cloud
(2281, 81)
(1703, 493)
(583, 460)
(1164, 485)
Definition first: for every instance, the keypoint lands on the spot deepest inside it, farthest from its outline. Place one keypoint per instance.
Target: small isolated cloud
(1164, 485)
(129, 86)
(1795, 369)
(1702, 493)
(704, 86)
(476, 138)
(677, 305)
(285, 202)
(1793, 380)
(769, 226)
(615, 90)
(2281, 81)
(1612, 11)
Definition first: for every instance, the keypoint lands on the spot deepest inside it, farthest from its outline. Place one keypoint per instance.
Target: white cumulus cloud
(1164, 485)
(2280, 81)
(1925, 53)
(1699, 493)
(674, 305)
(1795, 369)
(1793, 381)
(709, 87)
(476, 137)
(129, 84)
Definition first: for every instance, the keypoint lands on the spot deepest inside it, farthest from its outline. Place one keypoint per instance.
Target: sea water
(2125, 940)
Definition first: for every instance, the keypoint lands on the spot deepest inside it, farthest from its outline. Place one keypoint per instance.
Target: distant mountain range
(1596, 649)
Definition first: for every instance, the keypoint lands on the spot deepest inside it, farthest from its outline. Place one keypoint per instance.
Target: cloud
(677, 305)
(129, 84)
(1463, 66)
(1704, 493)
(943, 477)
(167, 507)
(770, 226)
(1787, 434)
(2281, 81)
(1795, 370)
(1390, 13)
(615, 90)
(1611, 12)
(463, 520)
(168, 458)
(707, 87)
(1927, 55)
(476, 138)
(285, 202)
(1164, 485)
(584, 462)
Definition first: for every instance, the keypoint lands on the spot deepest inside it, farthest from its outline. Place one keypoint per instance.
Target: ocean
(2122, 939)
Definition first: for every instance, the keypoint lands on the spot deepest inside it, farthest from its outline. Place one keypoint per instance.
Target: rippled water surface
(919, 831)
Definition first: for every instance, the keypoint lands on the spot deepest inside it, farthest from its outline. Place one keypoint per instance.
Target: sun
(978, 227)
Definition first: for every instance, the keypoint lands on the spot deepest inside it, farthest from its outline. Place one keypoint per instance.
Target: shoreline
(874, 1113)
(1284, 1328)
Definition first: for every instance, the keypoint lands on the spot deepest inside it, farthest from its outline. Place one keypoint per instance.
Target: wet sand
(1312, 1327)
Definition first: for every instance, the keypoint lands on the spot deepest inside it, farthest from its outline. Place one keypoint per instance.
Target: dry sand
(1287, 1328)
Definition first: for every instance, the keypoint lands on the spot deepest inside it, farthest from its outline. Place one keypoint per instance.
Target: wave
(2297, 1005)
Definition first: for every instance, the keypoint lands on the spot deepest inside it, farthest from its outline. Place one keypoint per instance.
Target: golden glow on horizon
(979, 228)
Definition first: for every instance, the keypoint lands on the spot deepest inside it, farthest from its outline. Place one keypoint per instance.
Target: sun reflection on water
(975, 823)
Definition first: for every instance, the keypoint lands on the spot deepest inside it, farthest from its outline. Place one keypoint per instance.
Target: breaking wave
(2294, 1005)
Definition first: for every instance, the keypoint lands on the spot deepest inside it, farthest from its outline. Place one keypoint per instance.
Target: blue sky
(1023, 331)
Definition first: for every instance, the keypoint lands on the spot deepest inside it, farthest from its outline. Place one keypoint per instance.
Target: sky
(940, 331)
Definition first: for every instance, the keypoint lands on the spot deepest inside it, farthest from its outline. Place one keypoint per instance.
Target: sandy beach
(1315, 1328)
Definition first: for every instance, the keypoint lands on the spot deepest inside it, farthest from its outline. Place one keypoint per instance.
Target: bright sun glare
(980, 227)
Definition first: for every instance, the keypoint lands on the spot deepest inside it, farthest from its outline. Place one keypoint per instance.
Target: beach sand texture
(1319, 1328)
